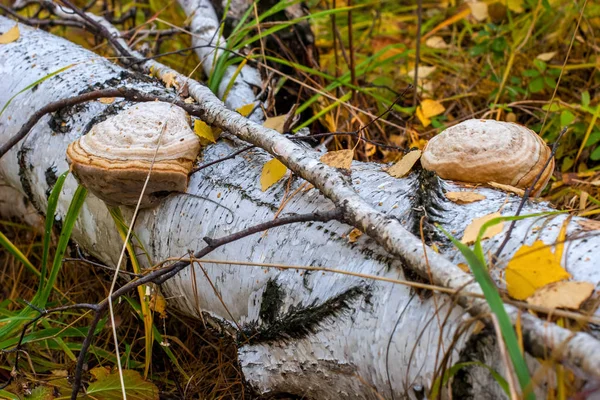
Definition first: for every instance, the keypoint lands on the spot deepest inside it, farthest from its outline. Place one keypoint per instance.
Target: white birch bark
(316, 334)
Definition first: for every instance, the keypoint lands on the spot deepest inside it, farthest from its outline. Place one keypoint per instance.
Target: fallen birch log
(310, 333)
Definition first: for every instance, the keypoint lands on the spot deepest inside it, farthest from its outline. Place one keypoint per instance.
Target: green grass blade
(50, 75)
(496, 304)
(15, 252)
(324, 111)
(450, 372)
(63, 241)
(50, 215)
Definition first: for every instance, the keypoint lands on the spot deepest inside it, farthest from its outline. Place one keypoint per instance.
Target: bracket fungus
(114, 159)
(482, 151)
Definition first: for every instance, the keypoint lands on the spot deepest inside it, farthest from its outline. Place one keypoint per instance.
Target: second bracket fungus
(482, 151)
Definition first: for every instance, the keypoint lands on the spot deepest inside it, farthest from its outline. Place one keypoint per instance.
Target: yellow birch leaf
(567, 294)
(561, 239)
(276, 123)
(464, 197)
(471, 232)
(424, 120)
(515, 5)
(403, 167)
(158, 304)
(10, 35)
(106, 100)
(246, 109)
(169, 80)
(272, 171)
(338, 159)
(204, 131)
(464, 267)
(431, 108)
(531, 268)
(354, 235)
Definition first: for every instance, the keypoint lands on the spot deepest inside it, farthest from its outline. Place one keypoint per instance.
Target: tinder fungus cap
(114, 159)
(482, 151)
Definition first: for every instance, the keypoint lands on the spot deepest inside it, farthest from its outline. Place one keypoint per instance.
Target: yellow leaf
(246, 109)
(272, 171)
(169, 80)
(515, 5)
(424, 120)
(464, 267)
(472, 231)
(531, 268)
(276, 123)
(562, 295)
(10, 35)
(403, 167)
(338, 159)
(158, 304)
(464, 197)
(204, 131)
(354, 235)
(106, 100)
(431, 108)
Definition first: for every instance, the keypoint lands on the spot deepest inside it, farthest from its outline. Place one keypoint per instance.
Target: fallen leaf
(424, 120)
(427, 109)
(589, 224)
(108, 386)
(464, 267)
(403, 167)
(583, 198)
(354, 235)
(431, 108)
(106, 100)
(531, 268)
(472, 231)
(10, 35)
(276, 123)
(436, 42)
(515, 5)
(246, 109)
(507, 188)
(272, 172)
(204, 131)
(189, 100)
(464, 197)
(338, 159)
(479, 10)
(547, 56)
(158, 304)
(567, 294)
(169, 80)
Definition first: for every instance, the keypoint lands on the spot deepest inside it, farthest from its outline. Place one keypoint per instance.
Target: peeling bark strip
(349, 333)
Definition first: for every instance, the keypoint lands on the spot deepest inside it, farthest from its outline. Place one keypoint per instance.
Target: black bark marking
(272, 299)
(299, 322)
(51, 178)
(25, 169)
